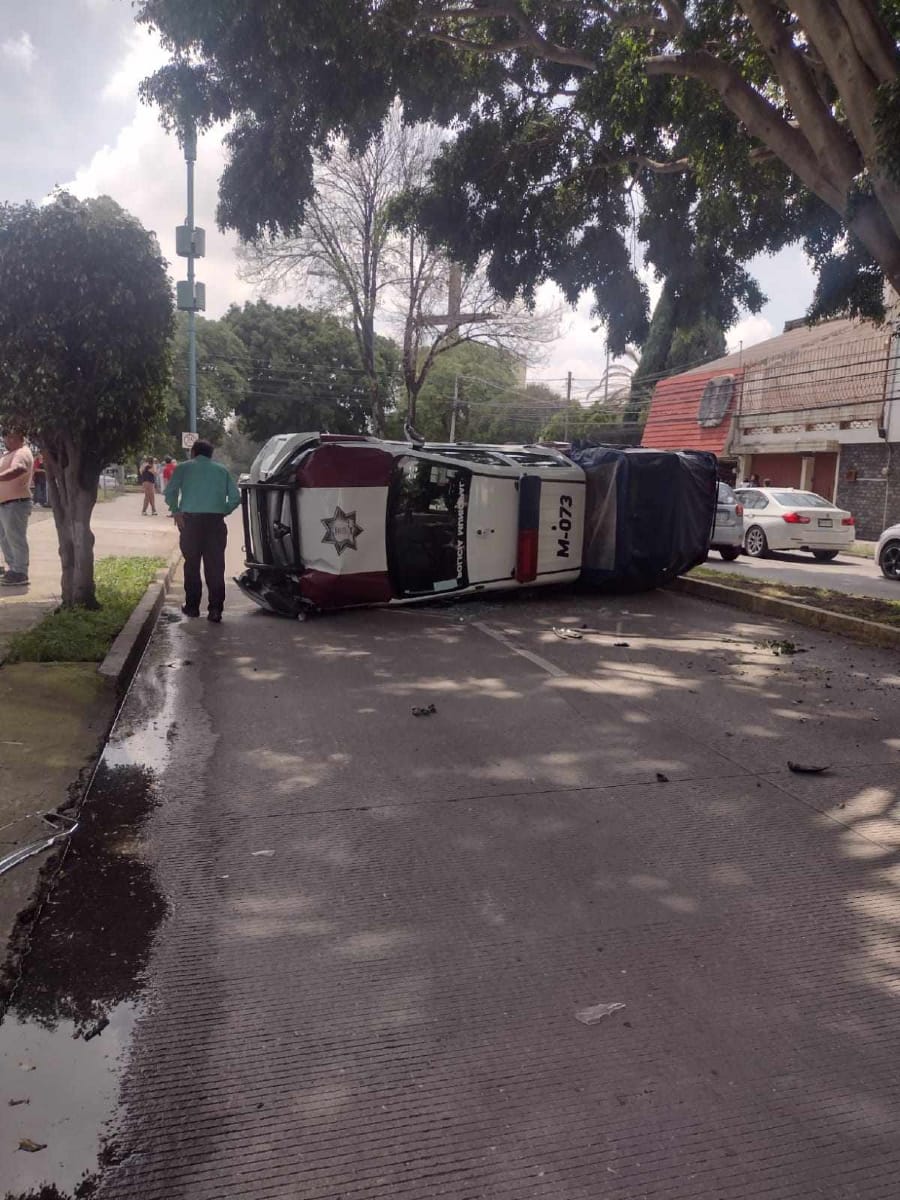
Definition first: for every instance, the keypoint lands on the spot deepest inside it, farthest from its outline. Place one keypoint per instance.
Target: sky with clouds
(70, 116)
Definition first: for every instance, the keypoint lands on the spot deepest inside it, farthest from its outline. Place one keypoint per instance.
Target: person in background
(16, 473)
(40, 483)
(147, 479)
(767, 483)
(200, 495)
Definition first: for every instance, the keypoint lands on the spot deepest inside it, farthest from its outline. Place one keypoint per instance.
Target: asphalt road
(847, 573)
(346, 947)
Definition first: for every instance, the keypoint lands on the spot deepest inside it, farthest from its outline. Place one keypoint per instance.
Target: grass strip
(885, 612)
(85, 634)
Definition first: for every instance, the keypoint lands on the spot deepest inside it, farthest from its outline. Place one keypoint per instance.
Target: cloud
(20, 50)
(144, 171)
(143, 56)
(748, 332)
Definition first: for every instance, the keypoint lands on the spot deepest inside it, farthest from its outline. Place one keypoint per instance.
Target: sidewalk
(54, 716)
(119, 529)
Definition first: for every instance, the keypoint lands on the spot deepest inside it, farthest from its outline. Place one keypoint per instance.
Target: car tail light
(848, 520)
(739, 509)
(795, 519)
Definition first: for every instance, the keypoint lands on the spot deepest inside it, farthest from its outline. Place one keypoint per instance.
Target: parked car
(791, 519)
(332, 521)
(887, 552)
(728, 531)
(107, 482)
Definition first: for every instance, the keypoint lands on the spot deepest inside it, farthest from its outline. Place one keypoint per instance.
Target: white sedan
(887, 553)
(790, 519)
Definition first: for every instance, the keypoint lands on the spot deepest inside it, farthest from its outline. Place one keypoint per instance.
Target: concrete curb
(871, 632)
(125, 653)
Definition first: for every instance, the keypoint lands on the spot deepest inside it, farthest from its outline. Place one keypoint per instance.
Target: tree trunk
(72, 489)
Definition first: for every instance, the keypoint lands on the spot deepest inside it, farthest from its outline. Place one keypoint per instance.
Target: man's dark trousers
(203, 539)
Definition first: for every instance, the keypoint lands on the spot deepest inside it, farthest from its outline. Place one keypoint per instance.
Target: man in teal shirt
(200, 495)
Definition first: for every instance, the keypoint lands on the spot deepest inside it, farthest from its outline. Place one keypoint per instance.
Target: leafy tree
(236, 451)
(304, 371)
(361, 254)
(85, 324)
(492, 402)
(223, 370)
(587, 423)
(709, 131)
(678, 338)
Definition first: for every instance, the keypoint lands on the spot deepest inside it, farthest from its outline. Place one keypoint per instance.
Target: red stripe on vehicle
(345, 466)
(326, 590)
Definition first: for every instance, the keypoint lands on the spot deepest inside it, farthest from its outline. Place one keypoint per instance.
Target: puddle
(65, 1034)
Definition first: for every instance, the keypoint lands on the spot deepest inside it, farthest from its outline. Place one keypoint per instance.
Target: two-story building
(812, 408)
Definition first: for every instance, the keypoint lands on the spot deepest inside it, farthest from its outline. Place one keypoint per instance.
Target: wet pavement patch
(72, 985)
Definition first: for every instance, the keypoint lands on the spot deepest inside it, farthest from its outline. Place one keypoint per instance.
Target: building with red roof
(811, 408)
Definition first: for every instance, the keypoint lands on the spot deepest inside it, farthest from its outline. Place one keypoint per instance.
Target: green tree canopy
(303, 371)
(707, 132)
(493, 404)
(86, 318)
(223, 372)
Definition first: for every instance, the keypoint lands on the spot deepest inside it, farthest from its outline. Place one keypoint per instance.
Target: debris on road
(53, 821)
(624, 645)
(590, 1016)
(96, 1029)
(781, 646)
(15, 1103)
(30, 1146)
(805, 769)
(262, 854)
(661, 778)
(424, 712)
(571, 635)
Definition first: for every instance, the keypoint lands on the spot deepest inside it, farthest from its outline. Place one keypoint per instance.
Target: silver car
(728, 531)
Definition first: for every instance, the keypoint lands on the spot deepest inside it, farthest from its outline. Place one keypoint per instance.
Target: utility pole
(190, 243)
(454, 408)
(568, 402)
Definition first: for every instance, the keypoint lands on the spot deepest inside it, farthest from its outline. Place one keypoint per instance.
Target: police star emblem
(341, 530)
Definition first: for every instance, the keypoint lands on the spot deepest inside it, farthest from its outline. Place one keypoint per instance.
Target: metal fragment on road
(807, 769)
(30, 1146)
(568, 634)
(262, 854)
(426, 711)
(590, 1016)
(19, 856)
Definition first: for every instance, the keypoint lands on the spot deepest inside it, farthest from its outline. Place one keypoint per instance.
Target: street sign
(188, 439)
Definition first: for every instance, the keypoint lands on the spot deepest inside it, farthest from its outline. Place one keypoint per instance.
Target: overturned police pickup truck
(334, 521)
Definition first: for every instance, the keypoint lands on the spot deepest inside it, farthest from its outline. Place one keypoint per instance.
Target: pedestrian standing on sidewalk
(168, 471)
(200, 495)
(40, 483)
(148, 483)
(16, 473)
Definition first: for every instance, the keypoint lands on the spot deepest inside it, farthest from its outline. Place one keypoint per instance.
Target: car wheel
(890, 561)
(755, 542)
(824, 555)
(730, 553)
